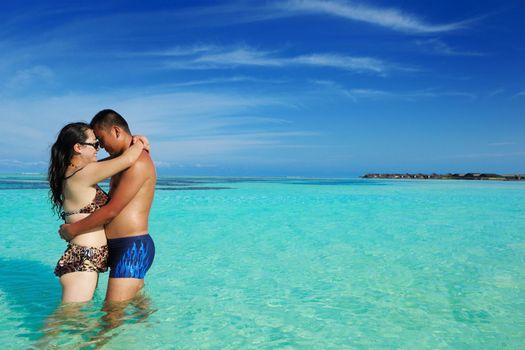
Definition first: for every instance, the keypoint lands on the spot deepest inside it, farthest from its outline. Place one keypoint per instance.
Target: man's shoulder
(143, 164)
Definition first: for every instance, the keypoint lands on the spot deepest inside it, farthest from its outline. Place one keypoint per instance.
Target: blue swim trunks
(130, 257)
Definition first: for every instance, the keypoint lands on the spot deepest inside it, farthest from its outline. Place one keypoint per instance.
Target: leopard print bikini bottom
(79, 258)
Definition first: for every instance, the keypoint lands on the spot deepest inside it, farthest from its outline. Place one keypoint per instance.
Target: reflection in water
(116, 314)
(86, 326)
(31, 291)
(63, 327)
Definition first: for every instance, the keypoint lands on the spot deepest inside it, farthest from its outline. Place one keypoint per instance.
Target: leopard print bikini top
(101, 198)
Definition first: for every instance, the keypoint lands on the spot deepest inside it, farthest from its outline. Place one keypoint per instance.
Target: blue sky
(297, 88)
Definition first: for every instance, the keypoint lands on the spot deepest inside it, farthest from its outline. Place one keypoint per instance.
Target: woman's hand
(144, 140)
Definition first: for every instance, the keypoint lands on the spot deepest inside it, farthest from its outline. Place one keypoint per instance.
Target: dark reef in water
(434, 176)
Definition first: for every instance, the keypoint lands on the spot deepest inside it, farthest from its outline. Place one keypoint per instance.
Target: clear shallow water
(289, 263)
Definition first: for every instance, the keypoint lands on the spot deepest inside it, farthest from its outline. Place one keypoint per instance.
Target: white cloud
(506, 143)
(180, 51)
(343, 62)
(375, 94)
(437, 46)
(223, 80)
(496, 92)
(240, 56)
(218, 58)
(230, 147)
(489, 155)
(21, 164)
(189, 127)
(385, 17)
(29, 77)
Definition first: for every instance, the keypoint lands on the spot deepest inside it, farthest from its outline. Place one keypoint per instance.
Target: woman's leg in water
(78, 286)
(77, 289)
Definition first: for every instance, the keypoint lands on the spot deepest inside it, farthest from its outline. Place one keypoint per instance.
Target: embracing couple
(103, 230)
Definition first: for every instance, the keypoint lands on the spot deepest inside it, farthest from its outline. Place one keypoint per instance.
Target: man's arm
(130, 183)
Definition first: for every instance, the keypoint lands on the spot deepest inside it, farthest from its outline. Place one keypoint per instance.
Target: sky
(272, 88)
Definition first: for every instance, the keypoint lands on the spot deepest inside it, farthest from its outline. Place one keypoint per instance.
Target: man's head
(111, 130)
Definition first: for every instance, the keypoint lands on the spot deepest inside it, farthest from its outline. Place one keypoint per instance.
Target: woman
(73, 176)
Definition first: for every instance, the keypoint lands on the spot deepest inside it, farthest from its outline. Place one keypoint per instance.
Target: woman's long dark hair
(61, 154)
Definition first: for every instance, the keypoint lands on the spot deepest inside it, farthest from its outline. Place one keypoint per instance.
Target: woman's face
(89, 148)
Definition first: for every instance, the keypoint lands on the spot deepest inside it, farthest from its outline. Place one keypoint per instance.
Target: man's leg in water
(118, 312)
(117, 299)
(121, 289)
(129, 260)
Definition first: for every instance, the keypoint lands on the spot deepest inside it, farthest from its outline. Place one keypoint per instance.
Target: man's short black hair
(107, 118)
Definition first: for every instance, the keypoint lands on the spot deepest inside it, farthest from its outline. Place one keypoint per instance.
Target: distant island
(433, 176)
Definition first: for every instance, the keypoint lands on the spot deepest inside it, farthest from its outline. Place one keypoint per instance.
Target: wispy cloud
(239, 56)
(214, 57)
(183, 126)
(489, 155)
(180, 165)
(376, 94)
(520, 94)
(30, 76)
(496, 92)
(228, 146)
(343, 62)
(438, 47)
(506, 143)
(21, 164)
(178, 51)
(385, 17)
(223, 80)
(22, 79)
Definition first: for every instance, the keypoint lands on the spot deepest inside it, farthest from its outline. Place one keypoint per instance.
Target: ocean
(286, 263)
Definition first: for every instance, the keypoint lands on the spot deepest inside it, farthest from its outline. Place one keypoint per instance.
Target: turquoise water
(258, 263)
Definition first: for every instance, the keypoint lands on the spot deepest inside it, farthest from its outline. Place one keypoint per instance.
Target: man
(131, 249)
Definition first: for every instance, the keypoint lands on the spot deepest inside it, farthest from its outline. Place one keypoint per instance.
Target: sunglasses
(95, 145)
